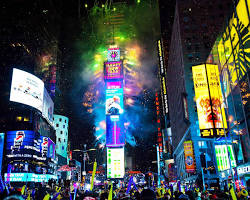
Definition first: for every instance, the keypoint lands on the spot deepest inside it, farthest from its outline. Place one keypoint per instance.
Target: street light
(84, 156)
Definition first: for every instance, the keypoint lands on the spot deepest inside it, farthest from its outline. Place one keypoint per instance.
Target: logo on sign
(18, 140)
(44, 147)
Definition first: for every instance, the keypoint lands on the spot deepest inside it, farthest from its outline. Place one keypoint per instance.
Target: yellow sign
(211, 114)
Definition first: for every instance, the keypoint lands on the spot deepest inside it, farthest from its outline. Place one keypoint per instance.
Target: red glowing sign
(113, 70)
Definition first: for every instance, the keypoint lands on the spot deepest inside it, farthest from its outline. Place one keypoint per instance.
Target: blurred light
(26, 119)
(138, 1)
(19, 119)
(86, 5)
(102, 5)
(114, 9)
(87, 186)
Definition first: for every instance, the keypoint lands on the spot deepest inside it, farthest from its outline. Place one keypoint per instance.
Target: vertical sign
(189, 156)
(159, 133)
(211, 115)
(222, 158)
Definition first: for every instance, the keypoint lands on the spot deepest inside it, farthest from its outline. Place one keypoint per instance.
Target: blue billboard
(115, 136)
(114, 101)
(1, 149)
(21, 139)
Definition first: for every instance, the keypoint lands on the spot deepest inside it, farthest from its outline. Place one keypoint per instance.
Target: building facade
(230, 53)
(195, 27)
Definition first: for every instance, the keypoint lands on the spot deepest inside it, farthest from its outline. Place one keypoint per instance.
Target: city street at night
(125, 99)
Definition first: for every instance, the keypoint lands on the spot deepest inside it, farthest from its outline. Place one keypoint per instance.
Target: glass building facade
(231, 52)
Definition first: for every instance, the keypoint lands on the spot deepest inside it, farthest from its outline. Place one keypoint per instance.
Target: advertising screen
(17, 140)
(189, 156)
(222, 157)
(211, 114)
(114, 101)
(115, 130)
(115, 163)
(113, 70)
(48, 106)
(27, 89)
(28, 177)
(1, 149)
(47, 147)
(113, 54)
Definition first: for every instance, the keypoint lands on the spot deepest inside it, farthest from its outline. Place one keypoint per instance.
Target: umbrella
(66, 168)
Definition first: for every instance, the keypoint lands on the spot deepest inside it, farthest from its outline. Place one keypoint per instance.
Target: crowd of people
(112, 191)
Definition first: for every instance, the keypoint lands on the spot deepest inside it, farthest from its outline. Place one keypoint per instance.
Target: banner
(93, 176)
(189, 156)
(211, 114)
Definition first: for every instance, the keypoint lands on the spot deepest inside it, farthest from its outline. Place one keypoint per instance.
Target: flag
(110, 192)
(93, 176)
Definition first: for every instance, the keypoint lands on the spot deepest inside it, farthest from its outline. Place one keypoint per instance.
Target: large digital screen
(48, 106)
(114, 101)
(28, 177)
(113, 54)
(189, 156)
(115, 131)
(17, 140)
(27, 89)
(113, 70)
(211, 114)
(47, 147)
(222, 157)
(115, 163)
(1, 149)
(161, 58)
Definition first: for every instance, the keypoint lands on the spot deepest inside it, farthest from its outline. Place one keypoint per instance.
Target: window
(62, 147)
(61, 132)
(57, 125)
(65, 121)
(63, 126)
(64, 140)
(60, 119)
(59, 139)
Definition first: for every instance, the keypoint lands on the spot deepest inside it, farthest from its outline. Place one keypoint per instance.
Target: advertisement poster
(48, 106)
(113, 54)
(113, 70)
(115, 131)
(115, 163)
(189, 156)
(209, 100)
(27, 89)
(222, 157)
(114, 101)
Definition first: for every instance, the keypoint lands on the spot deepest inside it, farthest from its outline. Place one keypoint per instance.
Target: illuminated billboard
(114, 101)
(115, 131)
(161, 58)
(113, 54)
(48, 106)
(113, 70)
(47, 147)
(28, 177)
(17, 140)
(189, 156)
(222, 157)
(27, 89)
(115, 163)
(1, 149)
(211, 114)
